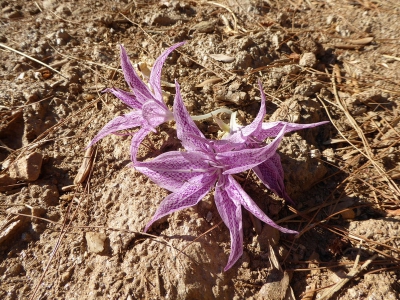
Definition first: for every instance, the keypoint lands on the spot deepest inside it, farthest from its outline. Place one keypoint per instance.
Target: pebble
(209, 217)
(50, 195)
(308, 59)
(14, 14)
(27, 168)
(95, 241)
(204, 27)
(4, 181)
(62, 37)
(15, 270)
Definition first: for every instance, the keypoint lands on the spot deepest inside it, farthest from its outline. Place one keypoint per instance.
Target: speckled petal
(137, 139)
(242, 160)
(185, 127)
(140, 89)
(126, 97)
(235, 191)
(231, 214)
(155, 114)
(155, 75)
(188, 195)
(243, 133)
(172, 169)
(127, 121)
(271, 129)
(271, 174)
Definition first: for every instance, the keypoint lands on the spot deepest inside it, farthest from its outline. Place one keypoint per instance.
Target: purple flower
(149, 109)
(192, 174)
(270, 172)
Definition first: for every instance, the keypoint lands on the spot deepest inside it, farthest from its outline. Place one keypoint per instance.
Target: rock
(27, 168)
(14, 14)
(66, 276)
(276, 286)
(95, 241)
(62, 37)
(5, 180)
(308, 60)
(11, 230)
(204, 27)
(50, 194)
(161, 19)
(15, 270)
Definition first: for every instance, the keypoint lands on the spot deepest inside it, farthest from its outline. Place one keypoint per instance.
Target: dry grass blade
(235, 27)
(31, 58)
(391, 57)
(329, 294)
(86, 165)
(367, 148)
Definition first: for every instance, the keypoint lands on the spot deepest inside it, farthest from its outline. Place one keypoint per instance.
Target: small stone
(50, 195)
(66, 276)
(11, 231)
(330, 19)
(27, 168)
(209, 217)
(308, 60)
(15, 14)
(63, 35)
(95, 241)
(204, 27)
(15, 270)
(5, 180)
(30, 96)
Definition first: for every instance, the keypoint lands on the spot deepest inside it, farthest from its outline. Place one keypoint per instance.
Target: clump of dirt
(62, 237)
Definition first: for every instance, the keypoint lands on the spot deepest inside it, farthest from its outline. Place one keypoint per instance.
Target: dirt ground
(69, 237)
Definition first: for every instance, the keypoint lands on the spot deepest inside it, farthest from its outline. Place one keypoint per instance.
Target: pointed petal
(242, 160)
(155, 114)
(256, 125)
(184, 123)
(236, 192)
(271, 174)
(225, 146)
(271, 129)
(172, 169)
(140, 89)
(137, 139)
(127, 121)
(231, 214)
(197, 143)
(188, 195)
(155, 75)
(242, 134)
(126, 97)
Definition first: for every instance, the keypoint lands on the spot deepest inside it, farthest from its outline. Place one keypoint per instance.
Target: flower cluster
(204, 164)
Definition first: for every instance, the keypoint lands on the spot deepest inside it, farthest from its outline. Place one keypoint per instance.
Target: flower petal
(271, 129)
(235, 191)
(242, 133)
(185, 127)
(126, 97)
(140, 89)
(271, 174)
(172, 169)
(127, 121)
(137, 139)
(231, 214)
(155, 75)
(242, 160)
(155, 114)
(188, 195)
